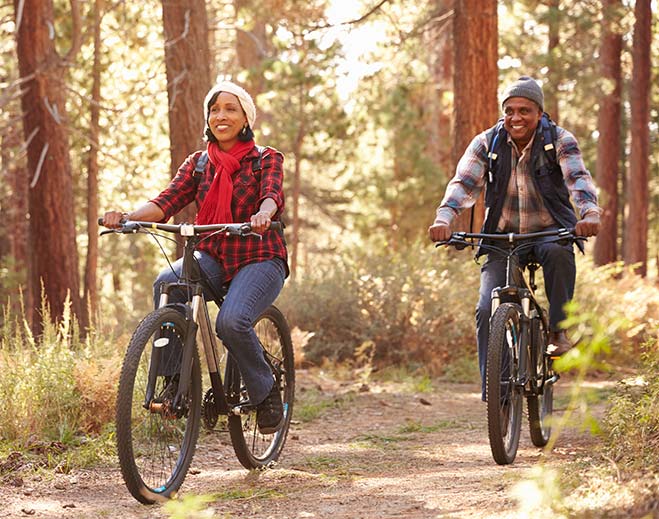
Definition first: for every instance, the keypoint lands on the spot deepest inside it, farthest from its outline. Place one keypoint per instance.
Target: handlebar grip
(276, 226)
(100, 220)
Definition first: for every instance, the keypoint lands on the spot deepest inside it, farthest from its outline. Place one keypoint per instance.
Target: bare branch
(356, 21)
(184, 34)
(76, 37)
(35, 179)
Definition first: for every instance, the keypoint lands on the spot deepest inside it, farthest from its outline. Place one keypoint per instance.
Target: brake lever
(246, 230)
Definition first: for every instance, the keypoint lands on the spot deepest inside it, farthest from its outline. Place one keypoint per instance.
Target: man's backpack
(202, 161)
(495, 136)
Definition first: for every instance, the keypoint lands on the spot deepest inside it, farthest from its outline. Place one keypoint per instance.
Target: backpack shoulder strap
(492, 136)
(549, 137)
(256, 163)
(202, 161)
(200, 167)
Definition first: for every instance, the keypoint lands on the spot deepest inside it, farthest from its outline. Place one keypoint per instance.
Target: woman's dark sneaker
(270, 412)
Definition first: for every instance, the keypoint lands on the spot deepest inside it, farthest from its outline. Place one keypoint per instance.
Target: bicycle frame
(522, 291)
(196, 314)
(517, 289)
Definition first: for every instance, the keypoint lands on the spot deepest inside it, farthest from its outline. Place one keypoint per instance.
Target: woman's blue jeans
(559, 271)
(253, 289)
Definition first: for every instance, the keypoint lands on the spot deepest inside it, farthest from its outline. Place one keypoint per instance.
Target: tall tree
(609, 127)
(187, 61)
(252, 43)
(474, 82)
(54, 260)
(553, 58)
(636, 222)
(90, 296)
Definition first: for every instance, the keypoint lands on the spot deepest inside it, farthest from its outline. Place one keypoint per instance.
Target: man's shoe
(558, 344)
(270, 412)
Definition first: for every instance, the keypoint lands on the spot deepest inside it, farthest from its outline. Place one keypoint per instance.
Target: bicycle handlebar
(186, 229)
(459, 239)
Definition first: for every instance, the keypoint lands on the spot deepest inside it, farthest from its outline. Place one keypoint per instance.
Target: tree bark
(17, 224)
(636, 221)
(553, 69)
(51, 212)
(252, 45)
(297, 180)
(90, 296)
(475, 80)
(187, 62)
(609, 125)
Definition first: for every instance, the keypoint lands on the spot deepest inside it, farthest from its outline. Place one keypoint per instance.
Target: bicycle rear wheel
(253, 449)
(541, 405)
(156, 437)
(504, 398)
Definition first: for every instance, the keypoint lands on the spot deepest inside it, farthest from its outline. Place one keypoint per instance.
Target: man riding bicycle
(530, 169)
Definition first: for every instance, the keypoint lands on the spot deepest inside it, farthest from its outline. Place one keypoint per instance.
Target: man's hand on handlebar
(439, 231)
(588, 226)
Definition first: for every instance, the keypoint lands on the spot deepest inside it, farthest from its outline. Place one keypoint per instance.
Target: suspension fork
(525, 335)
(156, 353)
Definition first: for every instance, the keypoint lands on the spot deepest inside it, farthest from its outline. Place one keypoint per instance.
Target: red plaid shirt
(250, 188)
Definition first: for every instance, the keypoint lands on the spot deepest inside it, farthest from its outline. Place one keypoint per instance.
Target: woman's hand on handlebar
(439, 231)
(113, 219)
(260, 222)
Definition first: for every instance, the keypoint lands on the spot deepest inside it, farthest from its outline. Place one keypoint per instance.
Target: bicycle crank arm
(242, 409)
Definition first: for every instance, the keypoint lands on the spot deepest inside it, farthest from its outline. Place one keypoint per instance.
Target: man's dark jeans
(559, 272)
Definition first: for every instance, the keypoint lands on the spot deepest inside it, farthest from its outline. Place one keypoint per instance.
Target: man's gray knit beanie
(525, 87)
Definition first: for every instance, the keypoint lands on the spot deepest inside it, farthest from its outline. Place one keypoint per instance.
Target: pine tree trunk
(52, 230)
(636, 222)
(609, 125)
(441, 64)
(297, 182)
(15, 212)
(252, 45)
(90, 297)
(553, 50)
(475, 80)
(187, 63)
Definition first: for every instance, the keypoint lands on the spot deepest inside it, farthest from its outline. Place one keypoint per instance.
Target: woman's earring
(244, 130)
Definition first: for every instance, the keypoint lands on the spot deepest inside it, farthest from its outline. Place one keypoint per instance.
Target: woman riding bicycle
(239, 183)
(527, 190)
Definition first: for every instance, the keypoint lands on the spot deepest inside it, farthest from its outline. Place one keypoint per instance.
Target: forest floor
(386, 450)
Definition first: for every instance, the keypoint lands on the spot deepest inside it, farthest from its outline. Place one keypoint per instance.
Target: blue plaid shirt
(523, 210)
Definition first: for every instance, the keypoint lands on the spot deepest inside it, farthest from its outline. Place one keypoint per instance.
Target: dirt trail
(383, 453)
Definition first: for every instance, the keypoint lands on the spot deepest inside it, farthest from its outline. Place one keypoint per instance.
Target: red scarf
(216, 207)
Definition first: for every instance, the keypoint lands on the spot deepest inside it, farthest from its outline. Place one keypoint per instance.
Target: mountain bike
(159, 401)
(518, 364)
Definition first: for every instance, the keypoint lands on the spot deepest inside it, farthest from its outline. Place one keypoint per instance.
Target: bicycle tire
(155, 449)
(541, 405)
(504, 398)
(253, 449)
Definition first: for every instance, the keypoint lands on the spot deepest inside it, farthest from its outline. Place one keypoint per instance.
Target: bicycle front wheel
(504, 398)
(253, 449)
(156, 431)
(541, 405)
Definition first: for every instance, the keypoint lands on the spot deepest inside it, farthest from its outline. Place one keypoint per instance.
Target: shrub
(415, 306)
(632, 421)
(55, 386)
